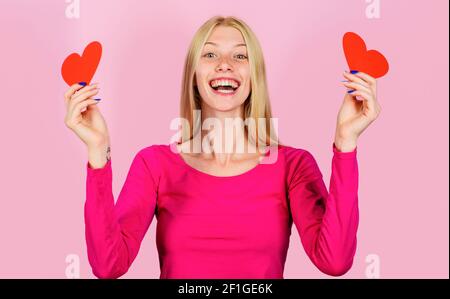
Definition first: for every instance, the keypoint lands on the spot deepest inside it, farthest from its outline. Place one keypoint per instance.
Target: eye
(207, 54)
(241, 56)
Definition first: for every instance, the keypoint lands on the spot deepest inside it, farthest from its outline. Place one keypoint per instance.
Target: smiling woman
(220, 215)
(223, 56)
(225, 76)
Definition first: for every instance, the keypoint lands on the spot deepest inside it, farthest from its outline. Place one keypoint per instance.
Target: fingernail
(353, 72)
(344, 80)
(350, 91)
(97, 99)
(82, 83)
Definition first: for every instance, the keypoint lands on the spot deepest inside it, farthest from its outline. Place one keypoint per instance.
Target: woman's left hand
(356, 115)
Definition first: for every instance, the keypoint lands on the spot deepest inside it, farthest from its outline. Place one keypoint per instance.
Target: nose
(224, 65)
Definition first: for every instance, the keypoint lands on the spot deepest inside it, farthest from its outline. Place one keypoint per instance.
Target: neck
(223, 133)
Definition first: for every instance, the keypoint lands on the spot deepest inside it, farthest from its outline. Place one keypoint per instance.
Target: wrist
(101, 145)
(98, 156)
(345, 145)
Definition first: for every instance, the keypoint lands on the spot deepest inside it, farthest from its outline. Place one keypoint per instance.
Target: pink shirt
(223, 227)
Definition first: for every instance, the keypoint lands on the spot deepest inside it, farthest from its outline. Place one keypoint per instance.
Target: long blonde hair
(256, 106)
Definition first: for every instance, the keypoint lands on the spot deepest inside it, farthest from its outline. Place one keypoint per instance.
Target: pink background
(402, 156)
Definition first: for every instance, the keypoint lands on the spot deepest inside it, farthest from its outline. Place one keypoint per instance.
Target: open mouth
(224, 87)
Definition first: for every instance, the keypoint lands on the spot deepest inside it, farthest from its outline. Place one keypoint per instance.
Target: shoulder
(152, 150)
(299, 162)
(158, 154)
(155, 157)
(293, 155)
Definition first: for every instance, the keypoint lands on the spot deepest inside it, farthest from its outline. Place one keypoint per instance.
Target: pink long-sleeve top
(223, 227)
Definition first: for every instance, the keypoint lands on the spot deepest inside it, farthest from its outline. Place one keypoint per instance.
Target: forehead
(226, 36)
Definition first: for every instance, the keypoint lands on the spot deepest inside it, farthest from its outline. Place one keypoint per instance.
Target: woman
(223, 214)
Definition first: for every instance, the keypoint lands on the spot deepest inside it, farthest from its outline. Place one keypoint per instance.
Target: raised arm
(114, 232)
(327, 222)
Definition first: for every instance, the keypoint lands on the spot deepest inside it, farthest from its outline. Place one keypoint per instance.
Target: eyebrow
(214, 44)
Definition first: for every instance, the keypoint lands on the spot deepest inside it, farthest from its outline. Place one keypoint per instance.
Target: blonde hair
(256, 106)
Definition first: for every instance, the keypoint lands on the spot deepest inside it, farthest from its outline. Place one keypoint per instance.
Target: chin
(225, 109)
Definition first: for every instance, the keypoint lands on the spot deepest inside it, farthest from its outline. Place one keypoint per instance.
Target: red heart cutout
(78, 68)
(358, 58)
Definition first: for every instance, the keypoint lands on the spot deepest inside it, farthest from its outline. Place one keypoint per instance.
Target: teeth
(216, 83)
(226, 91)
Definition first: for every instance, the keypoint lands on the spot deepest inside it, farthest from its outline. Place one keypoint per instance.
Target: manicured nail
(97, 99)
(344, 81)
(82, 83)
(353, 72)
(350, 91)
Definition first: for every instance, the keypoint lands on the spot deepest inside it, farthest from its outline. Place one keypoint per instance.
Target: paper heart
(358, 58)
(78, 68)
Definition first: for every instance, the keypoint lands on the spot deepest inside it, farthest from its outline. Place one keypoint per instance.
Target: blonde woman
(222, 213)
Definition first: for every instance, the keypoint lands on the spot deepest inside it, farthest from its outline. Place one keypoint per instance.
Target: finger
(356, 86)
(354, 78)
(84, 95)
(367, 97)
(372, 82)
(71, 91)
(81, 98)
(80, 106)
(366, 77)
(84, 89)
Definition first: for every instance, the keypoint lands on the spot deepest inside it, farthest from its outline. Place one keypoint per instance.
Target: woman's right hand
(89, 125)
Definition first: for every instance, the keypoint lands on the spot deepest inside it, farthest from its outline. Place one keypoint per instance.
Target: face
(223, 56)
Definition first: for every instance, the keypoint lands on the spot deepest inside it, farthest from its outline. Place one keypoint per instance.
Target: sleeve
(114, 231)
(327, 222)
